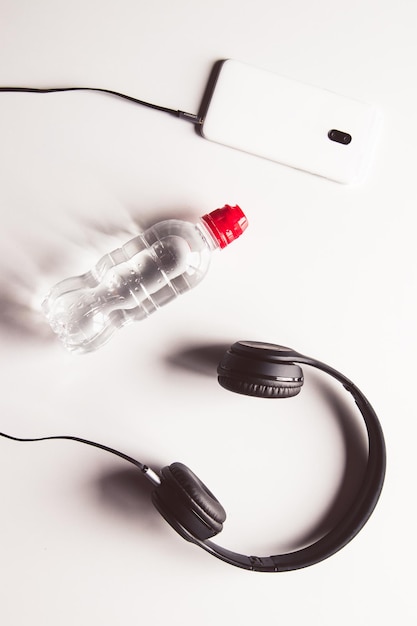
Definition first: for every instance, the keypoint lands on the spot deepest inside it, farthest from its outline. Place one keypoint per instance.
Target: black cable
(189, 117)
(141, 466)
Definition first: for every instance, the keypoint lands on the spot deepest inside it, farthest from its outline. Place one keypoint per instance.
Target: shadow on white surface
(18, 318)
(198, 359)
(128, 493)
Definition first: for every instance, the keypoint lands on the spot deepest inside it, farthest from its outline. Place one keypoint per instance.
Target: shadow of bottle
(33, 263)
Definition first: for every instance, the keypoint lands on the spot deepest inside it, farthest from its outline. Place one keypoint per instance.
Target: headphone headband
(366, 499)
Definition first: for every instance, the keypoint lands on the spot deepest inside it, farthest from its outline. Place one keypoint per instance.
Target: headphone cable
(189, 117)
(147, 471)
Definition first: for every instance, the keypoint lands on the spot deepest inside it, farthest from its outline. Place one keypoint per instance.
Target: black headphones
(265, 371)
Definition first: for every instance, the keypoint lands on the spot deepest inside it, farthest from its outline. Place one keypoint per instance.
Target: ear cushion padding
(197, 491)
(260, 389)
(182, 497)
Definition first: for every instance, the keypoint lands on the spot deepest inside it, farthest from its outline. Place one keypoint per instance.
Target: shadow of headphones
(266, 371)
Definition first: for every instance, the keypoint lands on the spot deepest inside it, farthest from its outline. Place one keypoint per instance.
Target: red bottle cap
(226, 224)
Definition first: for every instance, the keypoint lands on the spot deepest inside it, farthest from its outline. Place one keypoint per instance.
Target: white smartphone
(305, 127)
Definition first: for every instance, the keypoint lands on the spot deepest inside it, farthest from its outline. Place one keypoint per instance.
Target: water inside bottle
(85, 311)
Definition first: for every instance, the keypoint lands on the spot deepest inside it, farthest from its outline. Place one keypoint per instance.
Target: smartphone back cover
(289, 122)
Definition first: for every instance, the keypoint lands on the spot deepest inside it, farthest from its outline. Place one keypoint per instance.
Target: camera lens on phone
(339, 136)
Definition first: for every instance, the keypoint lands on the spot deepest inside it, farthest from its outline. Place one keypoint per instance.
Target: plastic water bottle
(133, 281)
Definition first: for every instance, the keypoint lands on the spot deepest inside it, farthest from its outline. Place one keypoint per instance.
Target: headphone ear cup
(185, 501)
(260, 370)
(259, 389)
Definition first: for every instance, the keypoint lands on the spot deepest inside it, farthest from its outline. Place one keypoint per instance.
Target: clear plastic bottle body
(129, 283)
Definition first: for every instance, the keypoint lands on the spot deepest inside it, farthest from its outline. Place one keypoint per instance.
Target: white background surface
(324, 268)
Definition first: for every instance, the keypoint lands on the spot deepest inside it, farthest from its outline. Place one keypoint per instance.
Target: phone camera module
(339, 136)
